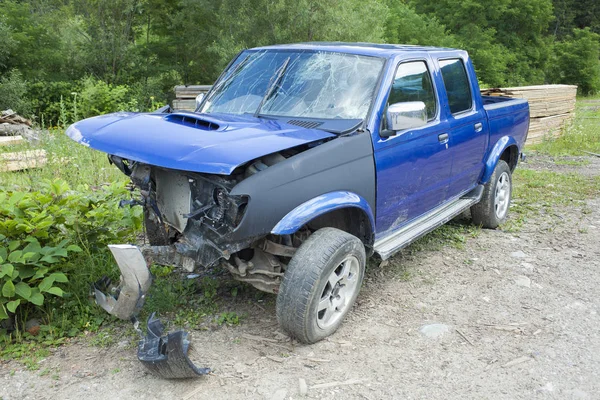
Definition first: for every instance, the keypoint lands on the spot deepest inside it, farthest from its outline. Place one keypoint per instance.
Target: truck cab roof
(369, 49)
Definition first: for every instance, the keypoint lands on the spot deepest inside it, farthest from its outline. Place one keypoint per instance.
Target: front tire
(321, 284)
(492, 210)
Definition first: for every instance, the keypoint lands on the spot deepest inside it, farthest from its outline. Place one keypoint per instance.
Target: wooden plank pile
(185, 96)
(550, 107)
(12, 124)
(13, 130)
(21, 160)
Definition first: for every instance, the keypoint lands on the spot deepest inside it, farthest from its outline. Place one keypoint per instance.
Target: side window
(457, 85)
(413, 83)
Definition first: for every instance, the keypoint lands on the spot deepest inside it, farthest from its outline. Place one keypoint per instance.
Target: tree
(107, 36)
(576, 62)
(8, 45)
(405, 26)
(35, 47)
(506, 38)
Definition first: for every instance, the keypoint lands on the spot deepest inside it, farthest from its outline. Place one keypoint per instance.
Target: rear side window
(457, 85)
(413, 83)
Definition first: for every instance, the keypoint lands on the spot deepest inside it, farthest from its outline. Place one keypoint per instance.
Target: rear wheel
(492, 210)
(321, 284)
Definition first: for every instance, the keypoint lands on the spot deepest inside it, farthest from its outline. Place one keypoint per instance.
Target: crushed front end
(190, 221)
(194, 221)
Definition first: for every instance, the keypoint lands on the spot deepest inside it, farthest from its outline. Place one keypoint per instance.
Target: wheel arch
(343, 210)
(505, 149)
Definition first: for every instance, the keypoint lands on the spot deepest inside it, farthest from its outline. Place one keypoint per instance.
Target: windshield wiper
(272, 84)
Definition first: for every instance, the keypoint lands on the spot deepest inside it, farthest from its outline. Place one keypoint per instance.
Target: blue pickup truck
(302, 161)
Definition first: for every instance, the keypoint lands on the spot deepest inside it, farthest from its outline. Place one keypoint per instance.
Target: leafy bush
(45, 97)
(26, 272)
(40, 231)
(156, 91)
(98, 97)
(55, 212)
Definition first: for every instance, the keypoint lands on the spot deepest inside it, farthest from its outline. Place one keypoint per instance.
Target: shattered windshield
(313, 84)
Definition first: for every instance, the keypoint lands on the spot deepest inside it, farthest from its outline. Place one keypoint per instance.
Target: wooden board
(182, 104)
(191, 91)
(10, 140)
(550, 107)
(22, 160)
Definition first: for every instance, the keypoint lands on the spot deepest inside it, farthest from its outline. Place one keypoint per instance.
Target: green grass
(454, 234)
(547, 188)
(536, 192)
(67, 160)
(582, 134)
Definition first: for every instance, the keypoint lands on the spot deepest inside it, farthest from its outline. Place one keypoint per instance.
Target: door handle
(478, 127)
(443, 137)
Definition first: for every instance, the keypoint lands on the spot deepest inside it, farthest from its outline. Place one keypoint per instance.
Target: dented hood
(210, 143)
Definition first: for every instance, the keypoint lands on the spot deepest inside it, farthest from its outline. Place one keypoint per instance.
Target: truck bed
(507, 117)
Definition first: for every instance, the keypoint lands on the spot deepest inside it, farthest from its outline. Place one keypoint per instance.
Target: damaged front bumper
(163, 355)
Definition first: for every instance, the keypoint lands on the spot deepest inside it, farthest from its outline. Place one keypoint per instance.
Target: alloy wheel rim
(338, 293)
(502, 195)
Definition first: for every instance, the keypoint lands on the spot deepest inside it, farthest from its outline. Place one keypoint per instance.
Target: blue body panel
(414, 170)
(170, 142)
(507, 120)
(320, 205)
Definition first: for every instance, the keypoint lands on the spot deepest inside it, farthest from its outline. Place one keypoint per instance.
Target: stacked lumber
(10, 140)
(185, 96)
(22, 160)
(550, 107)
(13, 130)
(12, 124)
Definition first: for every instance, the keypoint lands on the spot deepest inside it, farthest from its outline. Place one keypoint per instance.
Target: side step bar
(395, 241)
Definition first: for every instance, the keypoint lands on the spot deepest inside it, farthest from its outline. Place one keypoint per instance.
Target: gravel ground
(509, 316)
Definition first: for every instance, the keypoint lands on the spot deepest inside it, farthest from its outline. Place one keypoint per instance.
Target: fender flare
(494, 156)
(320, 205)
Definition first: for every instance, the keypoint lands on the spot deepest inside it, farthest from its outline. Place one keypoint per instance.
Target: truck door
(413, 166)
(468, 128)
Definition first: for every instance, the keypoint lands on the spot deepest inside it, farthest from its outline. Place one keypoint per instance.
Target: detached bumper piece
(163, 355)
(125, 300)
(166, 355)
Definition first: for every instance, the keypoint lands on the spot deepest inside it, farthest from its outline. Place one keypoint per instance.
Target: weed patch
(541, 191)
(454, 234)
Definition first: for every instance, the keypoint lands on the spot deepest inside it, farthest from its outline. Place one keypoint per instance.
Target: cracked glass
(312, 84)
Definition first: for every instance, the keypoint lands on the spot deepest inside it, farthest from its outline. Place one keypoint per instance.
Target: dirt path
(518, 317)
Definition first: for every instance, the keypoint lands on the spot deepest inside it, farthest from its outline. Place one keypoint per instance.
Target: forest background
(63, 60)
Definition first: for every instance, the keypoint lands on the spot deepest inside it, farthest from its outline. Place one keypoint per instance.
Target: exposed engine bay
(190, 218)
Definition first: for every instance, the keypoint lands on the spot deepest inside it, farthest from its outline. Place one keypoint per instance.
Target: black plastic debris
(166, 356)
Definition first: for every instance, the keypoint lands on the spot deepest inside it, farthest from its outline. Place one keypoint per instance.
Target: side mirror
(199, 99)
(407, 115)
